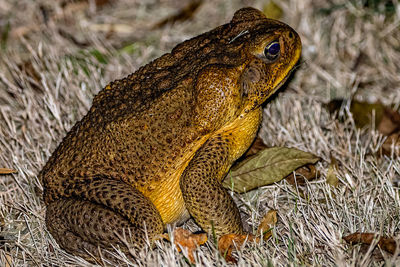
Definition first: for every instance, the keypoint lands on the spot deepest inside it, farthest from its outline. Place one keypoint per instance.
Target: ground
(56, 55)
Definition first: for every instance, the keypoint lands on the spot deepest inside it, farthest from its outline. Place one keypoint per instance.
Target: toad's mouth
(283, 81)
(277, 87)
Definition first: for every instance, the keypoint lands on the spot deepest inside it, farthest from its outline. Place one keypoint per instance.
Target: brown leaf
(227, 243)
(256, 147)
(387, 120)
(390, 122)
(331, 174)
(72, 38)
(184, 14)
(362, 113)
(392, 145)
(84, 3)
(7, 171)
(386, 243)
(267, 223)
(33, 77)
(6, 259)
(187, 240)
(307, 172)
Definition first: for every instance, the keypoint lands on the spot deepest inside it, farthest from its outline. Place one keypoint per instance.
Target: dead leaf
(2, 223)
(227, 243)
(85, 3)
(331, 174)
(184, 14)
(361, 111)
(385, 243)
(272, 10)
(33, 77)
(187, 240)
(7, 171)
(392, 145)
(256, 147)
(390, 122)
(6, 259)
(266, 167)
(387, 120)
(267, 223)
(307, 172)
(72, 38)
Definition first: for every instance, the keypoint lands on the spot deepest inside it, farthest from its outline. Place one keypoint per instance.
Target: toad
(155, 146)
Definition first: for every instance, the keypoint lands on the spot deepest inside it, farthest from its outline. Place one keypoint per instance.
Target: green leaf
(272, 10)
(99, 56)
(266, 167)
(4, 36)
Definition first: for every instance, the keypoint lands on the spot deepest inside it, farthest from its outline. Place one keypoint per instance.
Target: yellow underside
(167, 196)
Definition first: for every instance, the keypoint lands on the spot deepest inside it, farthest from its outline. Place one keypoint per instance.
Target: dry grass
(55, 59)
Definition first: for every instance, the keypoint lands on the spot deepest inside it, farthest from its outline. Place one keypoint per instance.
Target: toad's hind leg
(102, 213)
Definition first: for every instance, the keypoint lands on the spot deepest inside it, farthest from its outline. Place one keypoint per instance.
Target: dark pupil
(274, 49)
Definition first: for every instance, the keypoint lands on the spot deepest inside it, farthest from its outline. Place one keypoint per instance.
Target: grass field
(56, 55)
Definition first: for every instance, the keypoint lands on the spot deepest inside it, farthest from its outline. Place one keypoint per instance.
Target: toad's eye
(271, 51)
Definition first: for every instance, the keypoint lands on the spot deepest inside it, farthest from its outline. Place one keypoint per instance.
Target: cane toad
(155, 146)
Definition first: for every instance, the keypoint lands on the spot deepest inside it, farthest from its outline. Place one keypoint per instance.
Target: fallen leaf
(390, 122)
(392, 145)
(33, 77)
(387, 120)
(307, 172)
(72, 38)
(4, 35)
(184, 239)
(84, 3)
(6, 259)
(362, 113)
(266, 167)
(331, 174)
(256, 147)
(272, 11)
(386, 243)
(227, 243)
(184, 14)
(267, 223)
(7, 171)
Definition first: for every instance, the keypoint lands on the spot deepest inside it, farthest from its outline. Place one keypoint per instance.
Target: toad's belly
(168, 199)
(166, 194)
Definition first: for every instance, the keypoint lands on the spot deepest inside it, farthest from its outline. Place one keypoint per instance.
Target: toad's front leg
(206, 200)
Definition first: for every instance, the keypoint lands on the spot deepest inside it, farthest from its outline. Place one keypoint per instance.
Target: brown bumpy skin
(155, 146)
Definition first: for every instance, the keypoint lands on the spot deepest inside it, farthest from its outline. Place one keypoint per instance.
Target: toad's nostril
(290, 35)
